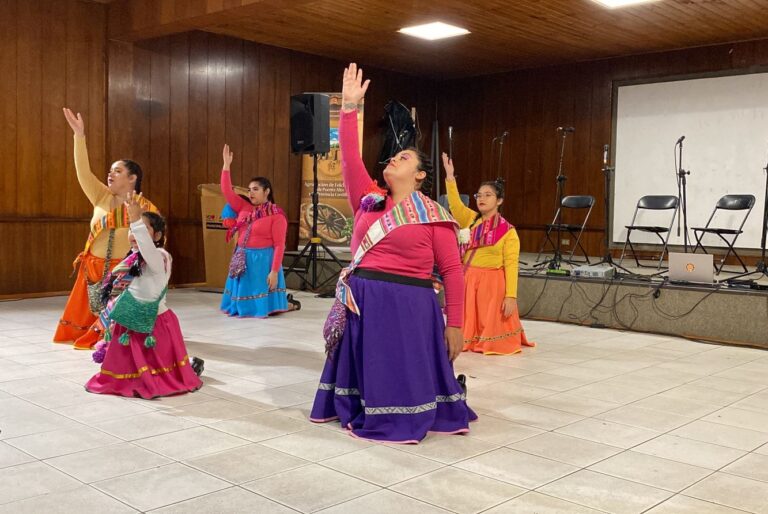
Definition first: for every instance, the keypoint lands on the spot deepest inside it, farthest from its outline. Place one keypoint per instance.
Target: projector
(604, 272)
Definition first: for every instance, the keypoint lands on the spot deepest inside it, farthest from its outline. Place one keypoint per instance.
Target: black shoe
(296, 304)
(462, 380)
(198, 365)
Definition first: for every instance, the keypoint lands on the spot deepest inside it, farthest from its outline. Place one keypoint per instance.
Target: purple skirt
(390, 378)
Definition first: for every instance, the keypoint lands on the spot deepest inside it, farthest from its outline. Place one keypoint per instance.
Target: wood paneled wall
(52, 54)
(171, 103)
(174, 102)
(531, 104)
(168, 103)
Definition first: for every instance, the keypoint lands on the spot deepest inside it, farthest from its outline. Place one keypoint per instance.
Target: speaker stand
(310, 252)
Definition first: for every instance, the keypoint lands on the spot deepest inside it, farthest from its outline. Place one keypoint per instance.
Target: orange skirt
(486, 330)
(77, 324)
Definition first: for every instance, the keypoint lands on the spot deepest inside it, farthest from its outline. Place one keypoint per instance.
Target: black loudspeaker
(310, 124)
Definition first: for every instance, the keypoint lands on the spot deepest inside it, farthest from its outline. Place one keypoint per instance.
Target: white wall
(725, 121)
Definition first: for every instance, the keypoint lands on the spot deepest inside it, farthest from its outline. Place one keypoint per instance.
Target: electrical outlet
(566, 242)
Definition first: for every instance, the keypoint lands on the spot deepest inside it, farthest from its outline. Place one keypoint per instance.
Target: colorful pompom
(100, 352)
(150, 342)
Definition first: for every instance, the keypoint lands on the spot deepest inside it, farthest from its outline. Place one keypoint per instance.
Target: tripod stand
(608, 257)
(762, 266)
(314, 244)
(553, 263)
(682, 183)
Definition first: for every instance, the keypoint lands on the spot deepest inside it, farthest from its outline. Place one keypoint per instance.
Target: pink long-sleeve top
(269, 231)
(410, 250)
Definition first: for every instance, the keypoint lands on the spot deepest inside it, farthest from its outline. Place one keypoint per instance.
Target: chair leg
(731, 250)
(698, 235)
(664, 242)
(624, 250)
(544, 243)
(578, 244)
(634, 254)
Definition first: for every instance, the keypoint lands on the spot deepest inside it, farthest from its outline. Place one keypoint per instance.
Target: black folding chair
(651, 203)
(572, 203)
(443, 201)
(730, 203)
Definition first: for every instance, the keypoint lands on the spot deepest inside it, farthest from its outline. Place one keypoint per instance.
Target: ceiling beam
(134, 20)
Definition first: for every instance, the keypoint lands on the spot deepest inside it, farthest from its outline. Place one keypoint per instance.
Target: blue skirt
(248, 296)
(390, 378)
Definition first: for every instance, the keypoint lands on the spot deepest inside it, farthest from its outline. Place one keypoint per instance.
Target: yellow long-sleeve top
(104, 203)
(504, 254)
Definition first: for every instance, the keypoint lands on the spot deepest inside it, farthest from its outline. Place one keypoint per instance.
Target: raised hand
(228, 155)
(448, 166)
(76, 122)
(133, 207)
(353, 88)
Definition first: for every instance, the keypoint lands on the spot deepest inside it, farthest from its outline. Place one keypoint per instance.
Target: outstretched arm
(356, 177)
(152, 256)
(233, 199)
(96, 191)
(463, 214)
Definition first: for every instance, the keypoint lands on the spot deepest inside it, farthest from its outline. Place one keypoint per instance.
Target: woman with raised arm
(256, 285)
(389, 373)
(144, 354)
(107, 242)
(491, 256)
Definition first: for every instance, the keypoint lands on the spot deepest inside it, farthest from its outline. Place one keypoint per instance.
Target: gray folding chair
(731, 203)
(572, 203)
(443, 201)
(651, 203)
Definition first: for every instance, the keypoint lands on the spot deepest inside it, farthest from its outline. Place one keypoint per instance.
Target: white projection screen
(725, 123)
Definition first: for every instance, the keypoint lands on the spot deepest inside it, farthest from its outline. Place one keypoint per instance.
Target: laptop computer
(691, 267)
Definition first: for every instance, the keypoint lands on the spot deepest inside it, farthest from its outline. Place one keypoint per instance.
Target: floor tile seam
(671, 494)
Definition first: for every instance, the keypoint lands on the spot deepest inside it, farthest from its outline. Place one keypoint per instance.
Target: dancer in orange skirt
(491, 254)
(107, 242)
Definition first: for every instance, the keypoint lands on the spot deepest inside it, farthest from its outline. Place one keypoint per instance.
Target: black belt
(391, 277)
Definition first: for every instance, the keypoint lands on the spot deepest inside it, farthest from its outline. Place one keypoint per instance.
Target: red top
(269, 231)
(410, 250)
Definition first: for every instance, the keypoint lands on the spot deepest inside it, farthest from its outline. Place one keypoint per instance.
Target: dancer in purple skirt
(389, 374)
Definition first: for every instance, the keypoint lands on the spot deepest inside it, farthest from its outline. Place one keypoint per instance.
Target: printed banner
(334, 215)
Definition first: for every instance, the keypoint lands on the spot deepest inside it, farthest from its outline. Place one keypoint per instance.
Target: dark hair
(265, 184)
(245, 197)
(135, 170)
(497, 185)
(157, 222)
(425, 165)
(498, 188)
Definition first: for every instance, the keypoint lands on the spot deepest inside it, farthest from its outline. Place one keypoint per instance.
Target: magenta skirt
(136, 371)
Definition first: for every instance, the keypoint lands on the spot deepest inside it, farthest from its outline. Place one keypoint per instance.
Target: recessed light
(433, 31)
(622, 3)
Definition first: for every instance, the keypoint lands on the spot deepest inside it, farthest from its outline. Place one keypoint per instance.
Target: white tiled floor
(589, 421)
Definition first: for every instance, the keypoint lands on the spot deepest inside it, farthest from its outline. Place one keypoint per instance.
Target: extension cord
(558, 272)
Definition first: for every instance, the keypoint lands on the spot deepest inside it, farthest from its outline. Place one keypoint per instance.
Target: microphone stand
(493, 149)
(554, 262)
(501, 151)
(607, 256)
(682, 183)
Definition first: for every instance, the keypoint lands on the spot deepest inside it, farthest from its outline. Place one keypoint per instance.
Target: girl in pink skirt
(143, 353)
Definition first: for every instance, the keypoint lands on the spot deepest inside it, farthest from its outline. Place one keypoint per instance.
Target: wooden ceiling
(505, 34)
